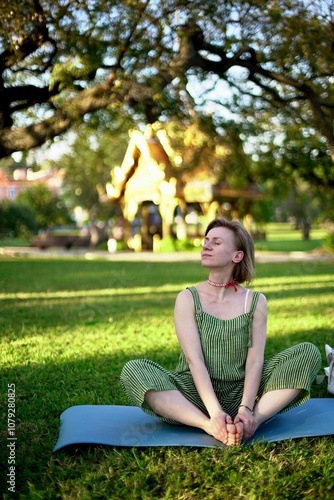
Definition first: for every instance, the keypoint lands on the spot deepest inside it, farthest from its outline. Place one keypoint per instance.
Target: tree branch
(192, 42)
(29, 44)
(89, 100)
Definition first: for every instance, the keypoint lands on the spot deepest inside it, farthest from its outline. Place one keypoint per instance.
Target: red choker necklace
(224, 285)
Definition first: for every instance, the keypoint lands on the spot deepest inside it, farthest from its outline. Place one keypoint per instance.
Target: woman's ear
(238, 256)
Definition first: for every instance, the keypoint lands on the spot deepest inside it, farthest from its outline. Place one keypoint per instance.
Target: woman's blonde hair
(244, 270)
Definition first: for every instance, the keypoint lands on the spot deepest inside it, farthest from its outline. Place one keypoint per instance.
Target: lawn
(280, 237)
(283, 237)
(67, 328)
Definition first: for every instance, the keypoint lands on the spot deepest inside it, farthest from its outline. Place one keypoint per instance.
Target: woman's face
(219, 248)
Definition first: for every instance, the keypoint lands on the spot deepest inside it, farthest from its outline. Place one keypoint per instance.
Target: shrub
(173, 245)
(329, 242)
(16, 220)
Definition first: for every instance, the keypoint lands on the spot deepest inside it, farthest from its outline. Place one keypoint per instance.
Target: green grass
(14, 242)
(67, 328)
(280, 237)
(283, 237)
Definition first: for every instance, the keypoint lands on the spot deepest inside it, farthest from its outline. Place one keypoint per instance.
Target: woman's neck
(212, 281)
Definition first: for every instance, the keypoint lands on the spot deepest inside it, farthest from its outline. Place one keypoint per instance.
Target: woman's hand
(247, 418)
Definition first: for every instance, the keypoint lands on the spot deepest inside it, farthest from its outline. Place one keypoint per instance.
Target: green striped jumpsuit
(225, 344)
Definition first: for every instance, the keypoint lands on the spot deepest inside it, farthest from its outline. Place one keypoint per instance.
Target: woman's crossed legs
(173, 405)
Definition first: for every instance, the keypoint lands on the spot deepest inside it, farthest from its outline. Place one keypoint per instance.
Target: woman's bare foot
(240, 431)
(235, 433)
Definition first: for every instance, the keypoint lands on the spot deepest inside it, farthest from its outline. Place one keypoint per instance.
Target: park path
(90, 254)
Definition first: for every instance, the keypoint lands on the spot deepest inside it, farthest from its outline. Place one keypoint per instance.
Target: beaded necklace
(224, 285)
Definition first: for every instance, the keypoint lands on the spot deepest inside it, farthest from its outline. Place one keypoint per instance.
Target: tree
(16, 220)
(60, 62)
(93, 155)
(197, 144)
(49, 209)
(292, 164)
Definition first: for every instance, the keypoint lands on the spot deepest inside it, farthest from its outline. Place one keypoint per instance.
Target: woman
(222, 383)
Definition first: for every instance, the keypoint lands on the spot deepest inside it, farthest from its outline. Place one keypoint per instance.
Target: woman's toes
(231, 429)
(240, 431)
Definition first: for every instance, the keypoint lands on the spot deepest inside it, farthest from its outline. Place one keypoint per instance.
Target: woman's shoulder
(253, 298)
(186, 293)
(261, 301)
(260, 295)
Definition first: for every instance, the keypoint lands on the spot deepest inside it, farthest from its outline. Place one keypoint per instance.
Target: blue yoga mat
(129, 426)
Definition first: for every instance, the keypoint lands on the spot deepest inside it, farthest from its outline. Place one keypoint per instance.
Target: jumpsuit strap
(255, 300)
(197, 302)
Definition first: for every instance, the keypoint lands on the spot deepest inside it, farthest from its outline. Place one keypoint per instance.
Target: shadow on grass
(61, 275)
(24, 317)
(288, 245)
(76, 275)
(44, 390)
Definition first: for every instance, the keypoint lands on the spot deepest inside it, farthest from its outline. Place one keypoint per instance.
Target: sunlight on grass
(104, 292)
(286, 231)
(283, 237)
(261, 283)
(313, 279)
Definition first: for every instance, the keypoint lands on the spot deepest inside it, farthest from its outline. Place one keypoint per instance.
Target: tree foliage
(48, 209)
(61, 61)
(88, 165)
(16, 220)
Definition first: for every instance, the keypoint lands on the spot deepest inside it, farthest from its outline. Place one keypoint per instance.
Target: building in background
(24, 178)
(160, 198)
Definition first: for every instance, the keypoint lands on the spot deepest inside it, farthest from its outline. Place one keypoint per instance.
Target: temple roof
(147, 166)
